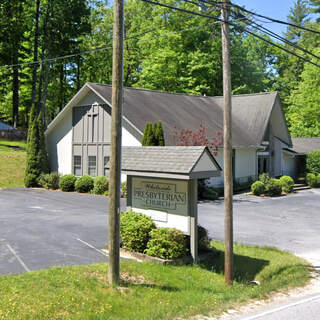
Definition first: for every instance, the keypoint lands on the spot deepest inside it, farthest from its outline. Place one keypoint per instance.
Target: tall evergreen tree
(159, 135)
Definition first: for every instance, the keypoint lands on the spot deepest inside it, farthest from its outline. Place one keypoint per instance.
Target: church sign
(168, 195)
(162, 183)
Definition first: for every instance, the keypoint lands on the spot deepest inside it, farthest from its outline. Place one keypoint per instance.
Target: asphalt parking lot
(40, 229)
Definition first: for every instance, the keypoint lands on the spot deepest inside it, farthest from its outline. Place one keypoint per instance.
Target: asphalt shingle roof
(305, 145)
(250, 112)
(180, 160)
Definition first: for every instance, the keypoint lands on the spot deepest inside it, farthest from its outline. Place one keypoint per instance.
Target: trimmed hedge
(313, 180)
(313, 162)
(258, 188)
(287, 184)
(273, 187)
(50, 180)
(101, 185)
(67, 182)
(135, 230)
(264, 178)
(84, 184)
(167, 243)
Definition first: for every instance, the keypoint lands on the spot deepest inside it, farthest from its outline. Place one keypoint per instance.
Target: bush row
(139, 234)
(313, 180)
(69, 183)
(271, 186)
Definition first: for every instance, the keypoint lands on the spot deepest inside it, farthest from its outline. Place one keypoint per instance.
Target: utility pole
(115, 154)
(227, 144)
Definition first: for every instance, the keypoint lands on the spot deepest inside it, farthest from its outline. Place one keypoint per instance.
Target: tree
(37, 157)
(159, 135)
(188, 137)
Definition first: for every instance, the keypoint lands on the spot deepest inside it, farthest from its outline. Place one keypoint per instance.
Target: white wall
(59, 145)
(128, 140)
(245, 165)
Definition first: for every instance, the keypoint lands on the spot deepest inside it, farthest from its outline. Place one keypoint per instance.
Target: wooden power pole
(115, 154)
(227, 144)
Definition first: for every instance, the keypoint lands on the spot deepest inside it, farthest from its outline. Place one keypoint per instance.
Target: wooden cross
(92, 114)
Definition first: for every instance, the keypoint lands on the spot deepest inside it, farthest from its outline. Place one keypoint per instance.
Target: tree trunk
(15, 91)
(35, 57)
(61, 77)
(45, 91)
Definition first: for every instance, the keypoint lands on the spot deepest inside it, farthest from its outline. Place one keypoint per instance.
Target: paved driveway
(40, 228)
(290, 223)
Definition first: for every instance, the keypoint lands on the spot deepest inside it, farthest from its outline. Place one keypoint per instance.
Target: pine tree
(150, 136)
(43, 160)
(159, 135)
(37, 157)
(33, 170)
(145, 133)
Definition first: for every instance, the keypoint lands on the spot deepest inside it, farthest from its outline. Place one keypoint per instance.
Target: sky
(277, 9)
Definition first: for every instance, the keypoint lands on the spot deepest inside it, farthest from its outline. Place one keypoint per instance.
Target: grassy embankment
(12, 164)
(149, 291)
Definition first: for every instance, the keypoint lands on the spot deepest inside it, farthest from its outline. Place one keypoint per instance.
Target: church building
(78, 139)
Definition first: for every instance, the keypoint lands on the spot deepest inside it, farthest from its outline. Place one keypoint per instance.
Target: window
(92, 166)
(77, 166)
(106, 171)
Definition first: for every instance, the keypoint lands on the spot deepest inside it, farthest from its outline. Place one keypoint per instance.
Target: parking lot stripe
(92, 247)
(18, 258)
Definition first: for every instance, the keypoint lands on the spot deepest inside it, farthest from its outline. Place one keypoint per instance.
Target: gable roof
(168, 160)
(5, 127)
(305, 145)
(251, 112)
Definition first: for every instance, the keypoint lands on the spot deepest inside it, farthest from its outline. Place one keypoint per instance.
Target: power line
(231, 4)
(83, 53)
(234, 25)
(274, 35)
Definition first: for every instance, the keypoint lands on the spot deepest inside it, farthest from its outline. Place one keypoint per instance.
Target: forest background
(50, 48)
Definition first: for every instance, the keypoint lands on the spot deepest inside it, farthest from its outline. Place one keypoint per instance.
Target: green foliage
(67, 182)
(84, 184)
(313, 180)
(101, 185)
(124, 189)
(30, 180)
(264, 178)
(313, 162)
(159, 135)
(203, 238)
(258, 188)
(50, 180)
(135, 230)
(274, 187)
(149, 138)
(209, 193)
(166, 243)
(287, 184)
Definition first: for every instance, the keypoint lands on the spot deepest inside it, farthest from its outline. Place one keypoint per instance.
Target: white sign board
(164, 200)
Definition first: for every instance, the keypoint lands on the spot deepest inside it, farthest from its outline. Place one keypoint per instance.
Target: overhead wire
(234, 25)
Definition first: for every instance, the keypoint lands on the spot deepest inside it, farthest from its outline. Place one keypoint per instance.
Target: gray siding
(91, 136)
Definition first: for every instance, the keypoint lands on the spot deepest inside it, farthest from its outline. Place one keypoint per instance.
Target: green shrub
(258, 188)
(124, 189)
(50, 180)
(310, 179)
(31, 180)
(313, 162)
(203, 238)
(135, 230)
(166, 243)
(273, 187)
(264, 178)
(313, 180)
(84, 184)
(209, 193)
(101, 185)
(67, 182)
(287, 184)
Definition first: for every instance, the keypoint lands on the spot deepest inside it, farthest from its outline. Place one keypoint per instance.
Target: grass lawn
(148, 291)
(12, 163)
